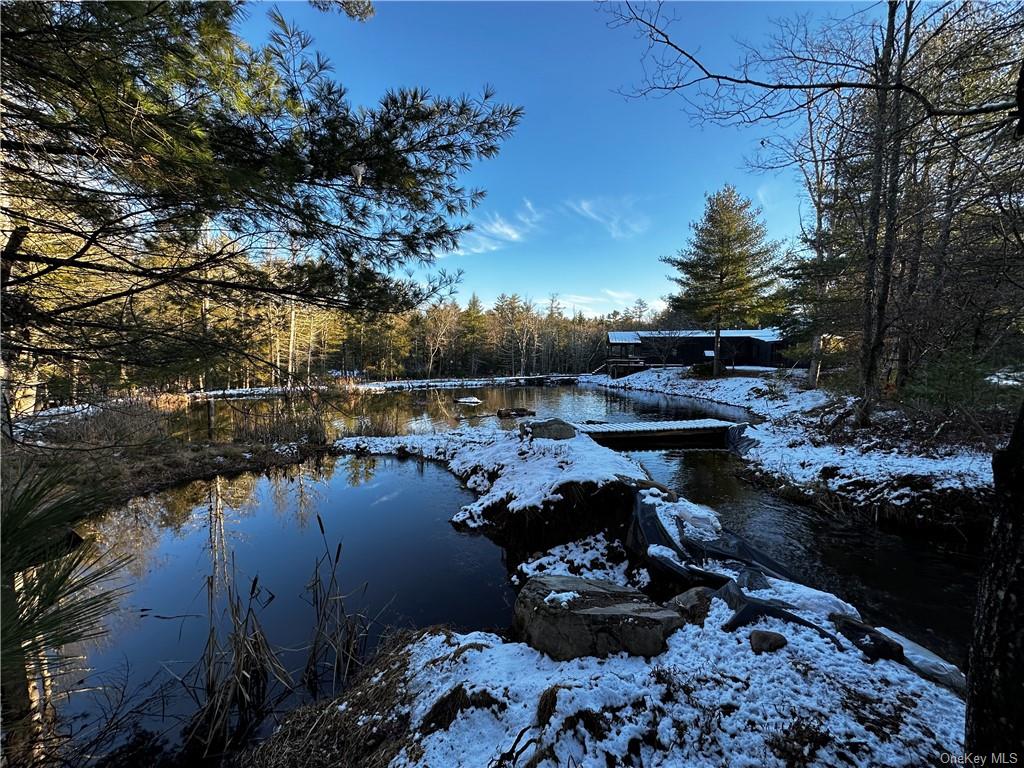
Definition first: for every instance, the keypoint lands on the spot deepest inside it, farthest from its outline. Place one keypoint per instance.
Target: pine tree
(474, 334)
(726, 270)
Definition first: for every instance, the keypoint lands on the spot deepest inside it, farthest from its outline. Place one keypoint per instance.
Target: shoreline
(943, 494)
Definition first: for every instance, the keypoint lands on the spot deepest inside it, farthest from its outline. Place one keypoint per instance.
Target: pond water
(402, 564)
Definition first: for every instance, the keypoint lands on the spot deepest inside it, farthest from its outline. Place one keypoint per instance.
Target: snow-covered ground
(47, 416)
(1007, 377)
(707, 700)
(503, 469)
(788, 444)
(240, 393)
(494, 381)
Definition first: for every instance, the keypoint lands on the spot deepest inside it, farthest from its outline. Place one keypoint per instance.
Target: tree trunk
(73, 383)
(716, 367)
(814, 369)
(995, 706)
(869, 351)
(309, 351)
(291, 345)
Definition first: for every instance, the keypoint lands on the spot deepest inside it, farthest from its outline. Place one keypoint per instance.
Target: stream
(403, 565)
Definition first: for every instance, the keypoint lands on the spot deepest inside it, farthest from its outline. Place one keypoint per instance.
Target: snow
(932, 666)
(592, 557)
(62, 411)
(787, 444)
(561, 598)
(376, 387)
(242, 393)
(1007, 377)
(504, 469)
(708, 700)
(699, 522)
(34, 422)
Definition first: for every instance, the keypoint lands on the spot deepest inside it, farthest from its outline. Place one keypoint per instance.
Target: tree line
(903, 123)
(175, 194)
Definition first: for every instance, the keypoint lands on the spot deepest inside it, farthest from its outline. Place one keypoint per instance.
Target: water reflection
(401, 562)
(411, 412)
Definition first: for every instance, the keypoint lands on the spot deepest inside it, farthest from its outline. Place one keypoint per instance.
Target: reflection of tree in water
(360, 469)
(703, 477)
(295, 490)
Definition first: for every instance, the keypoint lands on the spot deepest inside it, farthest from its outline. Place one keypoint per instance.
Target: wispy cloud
(496, 227)
(620, 297)
(472, 244)
(529, 216)
(577, 300)
(617, 215)
(608, 301)
(493, 231)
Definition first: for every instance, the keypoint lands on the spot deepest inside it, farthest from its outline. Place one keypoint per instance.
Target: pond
(403, 565)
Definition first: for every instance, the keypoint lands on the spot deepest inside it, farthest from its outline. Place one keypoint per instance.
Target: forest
(188, 212)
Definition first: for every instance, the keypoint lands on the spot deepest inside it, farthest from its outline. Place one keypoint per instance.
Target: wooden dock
(688, 433)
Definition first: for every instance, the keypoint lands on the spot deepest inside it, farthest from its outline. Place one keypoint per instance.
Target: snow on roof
(637, 337)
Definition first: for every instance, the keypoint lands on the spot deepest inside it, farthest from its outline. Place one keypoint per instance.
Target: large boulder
(567, 617)
(550, 429)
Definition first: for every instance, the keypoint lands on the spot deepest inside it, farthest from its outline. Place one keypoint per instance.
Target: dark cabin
(630, 351)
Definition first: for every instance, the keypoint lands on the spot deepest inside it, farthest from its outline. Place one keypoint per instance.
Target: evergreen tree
(726, 271)
(473, 323)
(120, 168)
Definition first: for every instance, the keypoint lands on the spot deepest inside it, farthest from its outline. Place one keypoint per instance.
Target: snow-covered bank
(790, 444)
(494, 381)
(505, 470)
(243, 393)
(708, 700)
(34, 422)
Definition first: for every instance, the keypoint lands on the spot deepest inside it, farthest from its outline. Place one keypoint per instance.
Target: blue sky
(593, 188)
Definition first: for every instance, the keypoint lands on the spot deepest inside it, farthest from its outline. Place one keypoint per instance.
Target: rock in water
(550, 429)
(514, 413)
(468, 400)
(601, 619)
(763, 641)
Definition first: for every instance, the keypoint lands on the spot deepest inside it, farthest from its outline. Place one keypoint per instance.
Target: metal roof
(623, 337)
